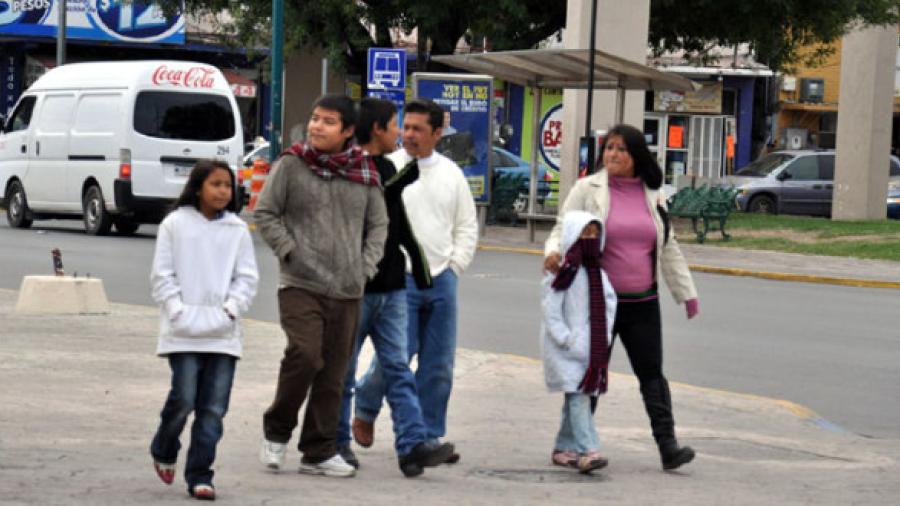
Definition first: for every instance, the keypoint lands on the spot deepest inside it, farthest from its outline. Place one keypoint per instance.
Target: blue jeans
(383, 318)
(432, 336)
(577, 431)
(201, 383)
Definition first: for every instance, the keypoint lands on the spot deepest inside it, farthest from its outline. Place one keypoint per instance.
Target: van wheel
(126, 226)
(17, 213)
(97, 220)
(762, 204)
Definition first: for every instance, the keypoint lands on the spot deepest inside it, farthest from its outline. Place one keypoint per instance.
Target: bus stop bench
(707, 208)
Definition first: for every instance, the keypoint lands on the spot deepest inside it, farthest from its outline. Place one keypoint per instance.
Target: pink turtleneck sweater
(630, 238)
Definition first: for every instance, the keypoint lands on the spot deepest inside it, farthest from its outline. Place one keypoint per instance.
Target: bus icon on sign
(387, 68)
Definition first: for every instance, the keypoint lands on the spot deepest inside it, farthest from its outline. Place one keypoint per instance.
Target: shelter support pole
(620, 105)
(532, 181)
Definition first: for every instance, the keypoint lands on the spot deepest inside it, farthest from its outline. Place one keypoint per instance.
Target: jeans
(383, 318)
(576, 431)
(320, 332)
(201, 383)
(432, 336)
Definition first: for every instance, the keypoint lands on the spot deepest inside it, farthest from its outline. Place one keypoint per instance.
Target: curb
(730, 271)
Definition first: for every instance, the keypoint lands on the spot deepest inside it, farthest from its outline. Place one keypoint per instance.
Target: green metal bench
(707, 208)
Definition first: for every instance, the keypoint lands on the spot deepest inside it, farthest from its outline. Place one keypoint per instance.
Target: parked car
(790, 182)
(893, 198)
(112, 143)
(505, 162)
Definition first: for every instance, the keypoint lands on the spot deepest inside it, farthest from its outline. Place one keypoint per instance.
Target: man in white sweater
(442, 213)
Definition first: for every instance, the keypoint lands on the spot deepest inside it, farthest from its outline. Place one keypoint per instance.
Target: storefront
(111, 31)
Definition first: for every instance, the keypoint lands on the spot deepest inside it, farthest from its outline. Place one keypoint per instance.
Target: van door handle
(37, 148)
(24, 148)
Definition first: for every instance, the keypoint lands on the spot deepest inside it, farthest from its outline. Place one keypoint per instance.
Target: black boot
(658, 403)
(425, 455)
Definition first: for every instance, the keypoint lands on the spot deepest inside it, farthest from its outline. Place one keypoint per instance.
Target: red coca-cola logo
(194, 77)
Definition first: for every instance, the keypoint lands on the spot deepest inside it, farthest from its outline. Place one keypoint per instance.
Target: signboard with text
(466, 100)
(706, 100)
(107, 20)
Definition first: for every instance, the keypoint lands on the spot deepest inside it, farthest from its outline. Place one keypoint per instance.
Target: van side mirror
(783, 175)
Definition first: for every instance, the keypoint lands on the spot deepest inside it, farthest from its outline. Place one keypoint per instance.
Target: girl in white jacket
(204, 278)
(579, 307)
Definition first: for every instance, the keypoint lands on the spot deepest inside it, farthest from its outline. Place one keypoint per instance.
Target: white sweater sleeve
(552, 306)
(465, 228)
(244, 278)
(165, 288)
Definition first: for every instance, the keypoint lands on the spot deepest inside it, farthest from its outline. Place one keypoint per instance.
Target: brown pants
(320, 333)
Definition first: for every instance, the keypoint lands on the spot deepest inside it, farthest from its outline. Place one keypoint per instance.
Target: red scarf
(352, 164)
(586, 252)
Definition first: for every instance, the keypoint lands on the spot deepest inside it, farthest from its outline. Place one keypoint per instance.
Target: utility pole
(277, 77)
(61, 7)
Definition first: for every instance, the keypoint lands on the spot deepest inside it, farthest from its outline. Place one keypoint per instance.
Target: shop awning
(567, 68)
(240, 85)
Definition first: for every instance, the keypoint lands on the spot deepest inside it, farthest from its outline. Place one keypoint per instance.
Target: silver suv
(790, 182)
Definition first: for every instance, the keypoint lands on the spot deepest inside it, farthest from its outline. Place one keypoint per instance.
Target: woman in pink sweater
(640, 246)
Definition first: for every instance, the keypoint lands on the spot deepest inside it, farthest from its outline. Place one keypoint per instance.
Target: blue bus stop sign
(386, 68)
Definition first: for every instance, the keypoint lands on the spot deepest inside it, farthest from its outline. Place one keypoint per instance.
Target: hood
(573, 223)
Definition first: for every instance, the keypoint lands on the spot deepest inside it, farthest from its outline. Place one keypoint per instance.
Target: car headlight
(893, 200)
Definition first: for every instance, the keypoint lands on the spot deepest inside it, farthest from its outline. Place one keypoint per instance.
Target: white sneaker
(272, 454)
(335, 466)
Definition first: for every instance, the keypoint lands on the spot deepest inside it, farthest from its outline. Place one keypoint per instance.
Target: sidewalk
(734, 261)
(81, 397)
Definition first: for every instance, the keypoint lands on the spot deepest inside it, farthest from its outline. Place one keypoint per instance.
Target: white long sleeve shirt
(441, 211)
(201, 269)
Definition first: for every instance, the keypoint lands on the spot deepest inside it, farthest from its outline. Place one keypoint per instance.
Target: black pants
(639, 327)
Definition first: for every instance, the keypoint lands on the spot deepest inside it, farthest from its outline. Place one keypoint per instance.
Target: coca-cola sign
(194, 77)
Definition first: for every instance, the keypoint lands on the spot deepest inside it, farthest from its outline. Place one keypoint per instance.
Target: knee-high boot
(658, 403)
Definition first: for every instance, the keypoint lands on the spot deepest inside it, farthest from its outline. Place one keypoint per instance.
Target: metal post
(277, 76)
(61, 7)
(591, 65)
(532, 181)
(324, 76)
(620, 105)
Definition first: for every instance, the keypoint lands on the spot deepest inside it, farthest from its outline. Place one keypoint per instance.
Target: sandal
(590, 461)
(564, 458)
(166, 472)
(203, 492)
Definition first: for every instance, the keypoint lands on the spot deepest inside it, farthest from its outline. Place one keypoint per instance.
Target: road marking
(730, 271)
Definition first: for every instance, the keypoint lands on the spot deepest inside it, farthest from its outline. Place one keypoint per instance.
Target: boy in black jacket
(383, 314)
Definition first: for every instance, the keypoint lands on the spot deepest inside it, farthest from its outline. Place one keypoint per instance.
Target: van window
(96, 113)
(826, 167)
(187, 116)
(56, 113)
(804, 168)
(21, 117)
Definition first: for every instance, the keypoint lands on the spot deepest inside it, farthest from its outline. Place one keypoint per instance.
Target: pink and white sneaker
(590, 461)
(564, 458)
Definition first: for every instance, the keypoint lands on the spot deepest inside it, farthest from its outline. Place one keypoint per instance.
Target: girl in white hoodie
(579, 307)
(204, 278)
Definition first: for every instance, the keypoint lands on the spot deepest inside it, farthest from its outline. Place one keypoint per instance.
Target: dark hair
(645, 166)
(373, 111)
(342, 105)
(190, 195)
(423, 106)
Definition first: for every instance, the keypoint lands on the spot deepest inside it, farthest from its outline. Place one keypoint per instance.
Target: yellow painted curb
(729, 271)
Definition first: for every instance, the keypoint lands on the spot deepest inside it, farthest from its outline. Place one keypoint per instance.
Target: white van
(114, 142)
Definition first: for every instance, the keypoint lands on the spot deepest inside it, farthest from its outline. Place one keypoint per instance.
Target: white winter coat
(201, 268)
(566, 327)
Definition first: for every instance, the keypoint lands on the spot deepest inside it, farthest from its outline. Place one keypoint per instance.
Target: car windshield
(764, 166)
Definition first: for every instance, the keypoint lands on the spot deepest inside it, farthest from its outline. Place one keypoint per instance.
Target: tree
(775, 29)
(345, 29)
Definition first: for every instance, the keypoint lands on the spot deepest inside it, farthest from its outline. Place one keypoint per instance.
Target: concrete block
(62, 295)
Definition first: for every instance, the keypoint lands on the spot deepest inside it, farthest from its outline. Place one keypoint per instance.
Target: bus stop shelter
(565, 69)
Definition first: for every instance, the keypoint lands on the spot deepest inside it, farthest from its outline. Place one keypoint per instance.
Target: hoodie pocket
(202, 321)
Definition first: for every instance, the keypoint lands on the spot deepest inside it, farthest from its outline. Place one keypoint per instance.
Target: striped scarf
(352, 164)
(586, 252)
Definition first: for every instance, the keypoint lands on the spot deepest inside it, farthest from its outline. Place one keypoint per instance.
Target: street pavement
(81, 396)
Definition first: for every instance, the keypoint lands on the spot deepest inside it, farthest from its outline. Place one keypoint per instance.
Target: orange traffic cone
(260, 172)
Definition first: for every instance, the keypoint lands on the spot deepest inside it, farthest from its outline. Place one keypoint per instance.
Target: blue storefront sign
(107, 20)
(11, 79)
(398, 97)
(466, 100)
